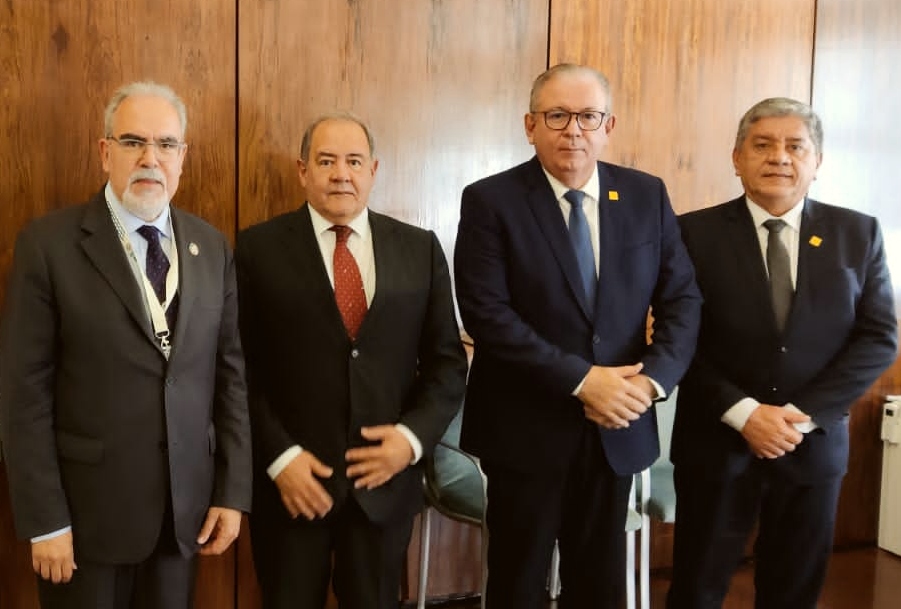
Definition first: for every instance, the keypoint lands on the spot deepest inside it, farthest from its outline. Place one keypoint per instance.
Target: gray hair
(307, 138)
(146, 88)
(568, 68)
(781, 106)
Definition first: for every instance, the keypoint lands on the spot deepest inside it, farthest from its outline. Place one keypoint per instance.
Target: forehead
(147, 115)
(572, 90)
(339, 137)
(779, 127)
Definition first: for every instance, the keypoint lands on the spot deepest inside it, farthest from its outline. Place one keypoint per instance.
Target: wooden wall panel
(444, 89)
(855, 93)
(59, 63)
(682, 74)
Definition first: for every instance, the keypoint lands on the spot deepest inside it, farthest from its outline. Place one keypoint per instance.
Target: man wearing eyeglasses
(123, 408)
(558, 262)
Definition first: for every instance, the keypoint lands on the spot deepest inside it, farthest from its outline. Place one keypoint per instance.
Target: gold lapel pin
(613, 195)
(815, 241)
(193, 248)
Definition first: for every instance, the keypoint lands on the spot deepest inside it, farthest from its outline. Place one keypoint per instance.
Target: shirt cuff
(415, 444)
(739, 413)
(282, 461)
(659, 393)
(56, 533)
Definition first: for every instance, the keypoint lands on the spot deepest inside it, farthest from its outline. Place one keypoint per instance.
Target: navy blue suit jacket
(519, 293)
(840, 335)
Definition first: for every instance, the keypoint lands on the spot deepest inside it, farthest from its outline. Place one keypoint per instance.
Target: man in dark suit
(557, 263)
(355, 368)
(798, 322)
(123, 408)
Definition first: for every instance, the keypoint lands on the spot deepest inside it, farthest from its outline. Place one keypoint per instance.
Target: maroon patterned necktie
(349, 292)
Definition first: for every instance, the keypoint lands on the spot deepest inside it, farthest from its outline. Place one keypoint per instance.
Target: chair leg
(484, 599)
(424, 534)
(644, 568)
(630, 569)
(553, 586)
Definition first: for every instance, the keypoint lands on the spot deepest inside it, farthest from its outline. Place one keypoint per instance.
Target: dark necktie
(157, 263)
(779, 267)
(349, 292)
(581, 239)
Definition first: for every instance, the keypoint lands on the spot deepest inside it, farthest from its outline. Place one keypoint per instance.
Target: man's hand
(373, 466)
(219, 530)
(613, 396)
(54, 559)
(770, 432)
(301, 491)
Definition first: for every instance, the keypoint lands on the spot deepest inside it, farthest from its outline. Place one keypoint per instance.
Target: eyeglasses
(588, 120)
(165, 149)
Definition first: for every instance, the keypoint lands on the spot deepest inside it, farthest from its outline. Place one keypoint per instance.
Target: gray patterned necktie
(779, 268)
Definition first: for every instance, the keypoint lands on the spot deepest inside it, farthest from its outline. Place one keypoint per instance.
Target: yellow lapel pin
(613, 195)
(815, 241)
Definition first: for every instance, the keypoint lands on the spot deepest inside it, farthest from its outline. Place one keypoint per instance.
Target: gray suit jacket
(96, 424)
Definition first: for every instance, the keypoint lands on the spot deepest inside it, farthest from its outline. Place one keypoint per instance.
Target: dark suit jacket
(96, 423)
(310, 385)
(841, 334)
(519, 293)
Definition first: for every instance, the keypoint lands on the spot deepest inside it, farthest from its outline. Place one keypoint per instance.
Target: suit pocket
(78, 448)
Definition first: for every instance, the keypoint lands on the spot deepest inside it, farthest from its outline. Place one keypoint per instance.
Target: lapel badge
(193, 248)
(815, 241)
(613, 195)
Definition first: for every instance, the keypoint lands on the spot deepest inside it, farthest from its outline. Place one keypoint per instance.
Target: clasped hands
(770, 431)
(615, 395)
(368, 466)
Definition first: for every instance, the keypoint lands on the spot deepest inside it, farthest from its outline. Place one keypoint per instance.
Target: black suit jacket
(96, 424)
(519, 293)
(310, 385)
(841, 334)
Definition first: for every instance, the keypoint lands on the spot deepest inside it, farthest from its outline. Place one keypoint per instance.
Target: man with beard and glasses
(123, 409)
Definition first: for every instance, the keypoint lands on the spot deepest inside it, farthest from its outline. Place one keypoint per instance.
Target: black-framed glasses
(165, 149)
(588, 120)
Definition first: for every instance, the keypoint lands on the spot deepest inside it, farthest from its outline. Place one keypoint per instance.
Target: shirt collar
(359, 225)
(592, 187)
(792, 217)
(130, 222)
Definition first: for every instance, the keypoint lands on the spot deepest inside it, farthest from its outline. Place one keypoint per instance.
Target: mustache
(147, 174)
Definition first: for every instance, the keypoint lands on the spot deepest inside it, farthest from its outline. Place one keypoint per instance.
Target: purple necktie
(157, 263)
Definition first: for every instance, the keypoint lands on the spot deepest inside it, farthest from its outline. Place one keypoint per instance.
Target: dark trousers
(714, 520)
(294, 559)
(165, 580)
(584, 507)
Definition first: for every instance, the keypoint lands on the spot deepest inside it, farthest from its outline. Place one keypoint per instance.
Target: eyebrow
(141, 138)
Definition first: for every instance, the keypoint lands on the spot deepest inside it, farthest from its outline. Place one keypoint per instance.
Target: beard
(147, 206)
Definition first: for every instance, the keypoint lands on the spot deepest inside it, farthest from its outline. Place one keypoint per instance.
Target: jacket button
(783, 349)
(596, 339)
(355, 353)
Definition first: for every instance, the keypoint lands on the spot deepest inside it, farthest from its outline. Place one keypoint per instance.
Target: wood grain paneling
(59, 63)
(682, 74)
(443, 88)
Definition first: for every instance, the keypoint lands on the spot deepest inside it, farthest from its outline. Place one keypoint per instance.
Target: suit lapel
(303, 257)
(550, 221)
(389, 263)
(188, 283)
(810, 260)
(748, 260)
(103, 248)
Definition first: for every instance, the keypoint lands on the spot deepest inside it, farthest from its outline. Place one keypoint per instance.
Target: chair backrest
(453, 481)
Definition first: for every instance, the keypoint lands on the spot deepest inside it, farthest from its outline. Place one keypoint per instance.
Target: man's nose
(149, 156)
